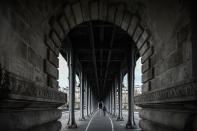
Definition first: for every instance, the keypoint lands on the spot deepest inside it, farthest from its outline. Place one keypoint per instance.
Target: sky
(63, 73)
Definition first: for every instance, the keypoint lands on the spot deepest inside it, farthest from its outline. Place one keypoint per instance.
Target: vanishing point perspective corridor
(101, 42)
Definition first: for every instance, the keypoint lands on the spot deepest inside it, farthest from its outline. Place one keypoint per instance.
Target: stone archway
(168, 56)
(116, 13)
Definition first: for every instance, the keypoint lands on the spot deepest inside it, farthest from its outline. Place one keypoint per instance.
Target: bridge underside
(101, 52)
(101, 42)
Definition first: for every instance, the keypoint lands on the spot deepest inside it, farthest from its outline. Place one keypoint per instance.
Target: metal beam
(100, 79)
(91, 33)
(86, 60)
(101, 49)
(109, 54)
(117, 45)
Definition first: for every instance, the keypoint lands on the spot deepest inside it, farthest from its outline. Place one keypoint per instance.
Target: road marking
(112, 125)
(91, 120)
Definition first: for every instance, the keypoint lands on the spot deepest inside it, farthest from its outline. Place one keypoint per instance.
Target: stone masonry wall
(169, 22)
(22, 35)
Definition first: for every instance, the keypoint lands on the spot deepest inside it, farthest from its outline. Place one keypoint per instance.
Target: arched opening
(63, 81)
(103, 60)
(101, 51)
(34, 32)
(138, 78)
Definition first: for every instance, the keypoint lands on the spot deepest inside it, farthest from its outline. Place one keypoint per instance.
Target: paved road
(100, 122)
(97, 122)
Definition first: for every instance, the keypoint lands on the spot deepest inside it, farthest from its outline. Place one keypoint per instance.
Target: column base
(120, 118)
(82, 119)
(71, 126)
(129, 125)
(113, 116)
(88, 116)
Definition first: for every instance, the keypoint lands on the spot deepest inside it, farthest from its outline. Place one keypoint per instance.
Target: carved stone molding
(14, 87)
(180, 93)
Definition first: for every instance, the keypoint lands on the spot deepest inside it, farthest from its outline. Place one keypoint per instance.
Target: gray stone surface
(11, 121)
(168, 55)
(51, 70)
(69, 16)
(126, 20)
(77, 12)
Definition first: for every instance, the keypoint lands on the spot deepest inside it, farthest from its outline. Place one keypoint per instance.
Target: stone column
(82, 96)
(121, 86)
(110, 102)
(114, 97)
(71, 122)
(92, 102)
(90, 111)
(130, 123)
(87, 99)
(119, 83)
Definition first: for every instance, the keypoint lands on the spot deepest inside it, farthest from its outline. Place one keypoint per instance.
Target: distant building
(77, 95)
(124, 98)
(137, 91)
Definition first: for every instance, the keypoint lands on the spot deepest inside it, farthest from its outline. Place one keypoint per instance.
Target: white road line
(91, 120)
(112, 125)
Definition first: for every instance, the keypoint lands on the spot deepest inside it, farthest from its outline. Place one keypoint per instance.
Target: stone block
(39, 77)
(146, 66)
(50, 126)
(21, 49)
(38, 45)
(176, 58)
(51, 69)
(133, 23)
(59, 31)
(70, 17)
(153, 126)
(52, 82)
(173, 119)
(126, 21)
(85, 11)
(146, 87)
(34, 59)
(137, 34)
(63, 22)
(55, 39)
(142, 39)
(53, 58)
(155, 83)
(23, 120)
(111, 13)
(144, 48)
(147, 55)
(77, 12)
(102, 10)
(94, 10)
(148, 75)
(52, 46)
(119, 15)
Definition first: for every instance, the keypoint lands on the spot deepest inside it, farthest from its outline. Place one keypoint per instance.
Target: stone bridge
(101, 40)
